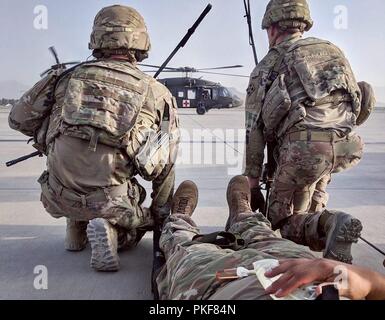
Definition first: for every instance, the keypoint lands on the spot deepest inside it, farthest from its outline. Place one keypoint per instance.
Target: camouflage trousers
(304, 172)
(190, 269)
(122, 206)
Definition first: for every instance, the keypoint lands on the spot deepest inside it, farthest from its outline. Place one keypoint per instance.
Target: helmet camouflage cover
(118, 27)
(288, 13)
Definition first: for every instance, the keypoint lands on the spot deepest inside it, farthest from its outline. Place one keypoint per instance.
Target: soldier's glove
(257, 200)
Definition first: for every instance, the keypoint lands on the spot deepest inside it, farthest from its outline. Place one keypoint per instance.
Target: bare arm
(361, 283)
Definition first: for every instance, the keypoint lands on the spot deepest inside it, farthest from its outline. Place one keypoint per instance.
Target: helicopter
(198, 93)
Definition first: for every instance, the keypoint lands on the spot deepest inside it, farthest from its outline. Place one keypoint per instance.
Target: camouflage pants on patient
(189, 273)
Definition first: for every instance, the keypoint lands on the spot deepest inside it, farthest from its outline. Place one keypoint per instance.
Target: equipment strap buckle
(225, 240)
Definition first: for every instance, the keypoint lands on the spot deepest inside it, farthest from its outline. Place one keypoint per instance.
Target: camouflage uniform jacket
(92, 120)
(318, 98)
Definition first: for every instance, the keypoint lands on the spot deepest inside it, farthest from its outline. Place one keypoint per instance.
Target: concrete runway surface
(29, 237)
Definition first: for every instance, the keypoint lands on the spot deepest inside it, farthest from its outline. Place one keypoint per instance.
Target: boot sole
(339, 243)
(103, 239)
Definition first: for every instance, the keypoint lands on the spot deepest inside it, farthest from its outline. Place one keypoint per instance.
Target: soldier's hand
(257, 200)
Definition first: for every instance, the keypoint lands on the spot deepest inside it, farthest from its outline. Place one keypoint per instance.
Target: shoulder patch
(251, 88)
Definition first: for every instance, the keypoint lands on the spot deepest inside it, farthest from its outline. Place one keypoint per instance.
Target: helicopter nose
(237, 102)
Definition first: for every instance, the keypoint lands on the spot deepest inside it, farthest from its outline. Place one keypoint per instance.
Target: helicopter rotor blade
(70, 63)
(220, 68)
(45, 72)
(153, 71)
(59, 65)
(225, 74)
(153, 66)
(54, 53)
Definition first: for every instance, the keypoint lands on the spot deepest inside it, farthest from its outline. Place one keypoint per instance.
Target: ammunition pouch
(276, 107)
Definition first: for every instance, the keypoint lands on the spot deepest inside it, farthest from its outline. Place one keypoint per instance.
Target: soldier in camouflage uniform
(100, 124)
(303, 100)
(190, 269)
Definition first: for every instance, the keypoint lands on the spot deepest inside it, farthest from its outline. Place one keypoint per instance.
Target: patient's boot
(185, 199)
(329, 231)
(76, 235)
(103, 237)
(341, 231)
(238, 199)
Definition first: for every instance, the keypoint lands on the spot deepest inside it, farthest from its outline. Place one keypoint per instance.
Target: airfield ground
(29, 237)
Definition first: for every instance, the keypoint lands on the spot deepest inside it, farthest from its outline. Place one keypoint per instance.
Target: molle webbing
(102, 102)
(111, 80)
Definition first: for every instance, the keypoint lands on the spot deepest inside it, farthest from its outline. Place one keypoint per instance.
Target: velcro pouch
(276, 106)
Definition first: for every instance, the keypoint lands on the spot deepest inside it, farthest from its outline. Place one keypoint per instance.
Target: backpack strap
(274, 73)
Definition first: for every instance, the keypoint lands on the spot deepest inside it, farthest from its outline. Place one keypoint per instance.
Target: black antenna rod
(251, 35)
(186, 38)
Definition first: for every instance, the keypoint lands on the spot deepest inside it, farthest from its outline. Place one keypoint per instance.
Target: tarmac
(30, 238)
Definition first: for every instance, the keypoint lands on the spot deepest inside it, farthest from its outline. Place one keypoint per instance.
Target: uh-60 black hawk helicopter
(198, 93)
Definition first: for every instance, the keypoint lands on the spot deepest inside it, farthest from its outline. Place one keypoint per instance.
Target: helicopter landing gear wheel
(201, 110)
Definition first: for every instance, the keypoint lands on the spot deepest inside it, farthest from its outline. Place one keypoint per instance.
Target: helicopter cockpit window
(191, 94)
(223, 92)
(180, 94)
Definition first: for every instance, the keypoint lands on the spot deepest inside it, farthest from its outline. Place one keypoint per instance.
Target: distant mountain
(12, 89)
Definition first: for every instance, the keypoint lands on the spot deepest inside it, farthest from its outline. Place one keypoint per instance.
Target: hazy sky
(221, 40)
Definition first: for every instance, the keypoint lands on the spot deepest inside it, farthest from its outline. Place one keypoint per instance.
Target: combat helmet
(288, 14)
(119, 27)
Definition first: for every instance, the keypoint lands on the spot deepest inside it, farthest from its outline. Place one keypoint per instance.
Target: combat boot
(238, 198)
(103, 237)
(341, 230)
(185, 199)
(76, 235)
(328, 231)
